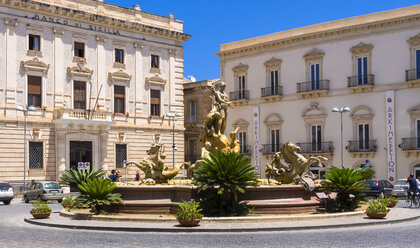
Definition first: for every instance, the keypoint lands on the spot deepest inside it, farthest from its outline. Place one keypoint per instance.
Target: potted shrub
(41, 210)
(376, 209)
(189, 213)
(68, 202)
(391, 201)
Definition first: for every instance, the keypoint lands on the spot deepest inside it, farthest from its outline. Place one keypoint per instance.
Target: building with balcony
(198, 103)
(101, 77)
(284, 86)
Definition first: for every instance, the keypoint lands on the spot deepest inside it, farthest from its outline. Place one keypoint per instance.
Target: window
(417, 54)
(79, 49)
(119, 99)
(363, 136)
(242, 141)
(316, 138)
(36, 155)
(155, 102)
(193, 116)
(362, 71)
(274, 82)
(314, 77)
(318, 171)
(154, 61)
(34, 91)
(119, 56)
(418, 133)
(34, 42)
(241, 87)
(274, 140)
(79, 95)
(192, 150)
(120, 155)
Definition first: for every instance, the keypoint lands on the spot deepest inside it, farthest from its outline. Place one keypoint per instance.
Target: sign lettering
(390, 135)
(256, 153)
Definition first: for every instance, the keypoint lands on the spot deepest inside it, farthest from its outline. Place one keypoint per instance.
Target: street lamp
(25, 113)
(174, 148)
(341, 111)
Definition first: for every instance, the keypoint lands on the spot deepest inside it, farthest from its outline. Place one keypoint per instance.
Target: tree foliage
(78, 176)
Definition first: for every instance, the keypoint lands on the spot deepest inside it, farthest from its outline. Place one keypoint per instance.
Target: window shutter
(34, 85)
(119, 91)
(79, 91)
(154, 96)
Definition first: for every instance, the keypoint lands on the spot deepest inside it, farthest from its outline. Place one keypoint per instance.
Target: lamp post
(341, 111)
(174, 148)
(25, 113)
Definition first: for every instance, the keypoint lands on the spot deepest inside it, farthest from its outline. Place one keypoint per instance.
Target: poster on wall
(390, 135)
(256, 152)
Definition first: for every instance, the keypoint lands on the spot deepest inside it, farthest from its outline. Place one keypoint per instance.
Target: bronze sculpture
(296, 167)
(153, 166)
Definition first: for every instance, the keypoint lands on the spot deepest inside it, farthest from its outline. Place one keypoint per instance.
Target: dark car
(378, 187)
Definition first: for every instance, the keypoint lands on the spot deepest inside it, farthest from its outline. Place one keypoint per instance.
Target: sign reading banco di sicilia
(75, 24)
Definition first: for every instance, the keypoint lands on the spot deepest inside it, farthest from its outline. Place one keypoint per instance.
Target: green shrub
(345, 182)
(40, 207)
(96, 194)
(68, 202)
(222, 178)
(388, 200)
(377, 206)
(189, 211)
(77, 176)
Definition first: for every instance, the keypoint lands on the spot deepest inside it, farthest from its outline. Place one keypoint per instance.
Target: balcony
(271, 148)
(246, 149)
(272, 93)
(322, 148)
(83, 118)
(239, 97)
(361, 84)
(411, 146)
(313, 88)
(362, 148)
(191, 158)
(412, 77)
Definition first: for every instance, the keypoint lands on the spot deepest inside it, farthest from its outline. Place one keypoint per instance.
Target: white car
(6, 193)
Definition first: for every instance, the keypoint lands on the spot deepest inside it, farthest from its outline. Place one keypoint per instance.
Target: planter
(41, 215)
(189, 222)
(376, 215)
(391, 204)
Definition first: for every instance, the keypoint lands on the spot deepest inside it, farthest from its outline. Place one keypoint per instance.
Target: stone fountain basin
(265, 199)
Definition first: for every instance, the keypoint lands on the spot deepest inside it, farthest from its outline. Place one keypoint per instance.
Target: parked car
(378, 187)
(400, 188)
(6, 193)
(43, 191)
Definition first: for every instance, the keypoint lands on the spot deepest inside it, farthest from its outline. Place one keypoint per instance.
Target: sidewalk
(394, 216)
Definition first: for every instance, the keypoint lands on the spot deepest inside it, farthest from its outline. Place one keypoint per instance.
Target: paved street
(14, 232)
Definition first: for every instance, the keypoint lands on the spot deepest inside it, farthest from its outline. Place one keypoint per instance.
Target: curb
(80, 216)
(179, 228)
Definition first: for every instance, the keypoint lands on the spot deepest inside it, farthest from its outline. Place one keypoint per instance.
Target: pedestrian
(137, 175)
(114, 176)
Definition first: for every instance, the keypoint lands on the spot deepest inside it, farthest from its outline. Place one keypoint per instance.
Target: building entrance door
(80, 151)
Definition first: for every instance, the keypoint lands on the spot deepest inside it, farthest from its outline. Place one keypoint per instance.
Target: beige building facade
(102, 79)
(197, 105)
(284, 86)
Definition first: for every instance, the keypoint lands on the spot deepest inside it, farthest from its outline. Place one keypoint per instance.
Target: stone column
(103, 147)
(60, 147)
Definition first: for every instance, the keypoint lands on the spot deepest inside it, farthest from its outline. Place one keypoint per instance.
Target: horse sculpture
(296, 169)
(153, 166)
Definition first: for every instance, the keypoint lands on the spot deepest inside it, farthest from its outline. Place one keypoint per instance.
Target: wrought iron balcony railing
(413, 74)
(272, 91)
(313, 86)
(316, 147)
(246, 149)
(191, 158)
(362, 146)
(363, 80)
(410, 143)
(271, 148)
(239, 95)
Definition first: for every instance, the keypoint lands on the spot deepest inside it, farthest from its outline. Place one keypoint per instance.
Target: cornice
(91, 18)
(240, 67)
(414, 40)
(361, 48)
(273, 62)
(34, 65)
(119, 76)
(298, 40)
(313, 54)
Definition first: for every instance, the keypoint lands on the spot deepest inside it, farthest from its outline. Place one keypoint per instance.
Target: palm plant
(77, 176)
(226, 174)
(96, 193)
(345, 182)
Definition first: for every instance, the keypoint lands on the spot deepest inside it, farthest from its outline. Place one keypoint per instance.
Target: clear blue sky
(214, 22)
